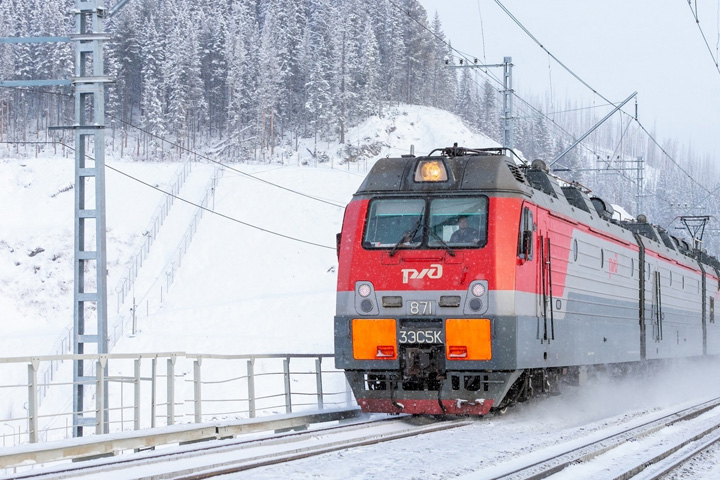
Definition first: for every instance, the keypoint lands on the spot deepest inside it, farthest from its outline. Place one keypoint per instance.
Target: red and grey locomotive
(468, 282)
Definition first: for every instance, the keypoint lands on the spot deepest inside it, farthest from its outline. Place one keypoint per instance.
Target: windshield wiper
(408, 236)
(442, 242)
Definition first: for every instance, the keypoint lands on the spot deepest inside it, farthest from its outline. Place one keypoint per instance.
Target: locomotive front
(426, 302)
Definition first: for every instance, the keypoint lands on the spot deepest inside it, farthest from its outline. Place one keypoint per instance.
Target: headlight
(364, 290)
(478, 289)
(431, 171)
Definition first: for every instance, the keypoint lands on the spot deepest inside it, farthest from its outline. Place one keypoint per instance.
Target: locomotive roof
(490, 170)
(484, 171)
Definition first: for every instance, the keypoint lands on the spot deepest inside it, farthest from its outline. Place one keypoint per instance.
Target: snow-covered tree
(151, 105)
(182, 71)
(320, 74)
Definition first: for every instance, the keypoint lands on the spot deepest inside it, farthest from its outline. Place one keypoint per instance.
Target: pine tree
(368, 82)
(151, 103)
(467, 103)
(543, 143)
(127, 54)
(270, 81)
(442, 74)
(182, 73)
(319, 104)
(489, 114)
(214, 37)
(417, 53)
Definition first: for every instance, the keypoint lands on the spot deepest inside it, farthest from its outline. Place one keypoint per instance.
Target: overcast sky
(653, 47)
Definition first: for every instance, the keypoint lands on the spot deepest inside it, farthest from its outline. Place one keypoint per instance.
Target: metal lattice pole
(508, 129)
(90, 294)
(507, 103)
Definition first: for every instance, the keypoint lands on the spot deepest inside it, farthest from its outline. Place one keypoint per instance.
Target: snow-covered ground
(247, 272)
(259, 277)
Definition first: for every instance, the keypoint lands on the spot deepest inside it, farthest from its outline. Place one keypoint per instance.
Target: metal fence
(136, 391)
(152, 296)
(124, 286)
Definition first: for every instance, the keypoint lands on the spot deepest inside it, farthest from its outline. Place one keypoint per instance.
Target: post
(89, 133)
(251, 388)
(319, 382)
(198, 390)
(507, 95)
(100, 392)
(33, 401)
(507, 102)
(136, 405)
(288, 395)
(171, 390)
(153, 395)
(134, 315)
(639, 186)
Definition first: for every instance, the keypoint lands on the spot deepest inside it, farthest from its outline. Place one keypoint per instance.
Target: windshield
(458, 222)
(442, 223)
(393, 220)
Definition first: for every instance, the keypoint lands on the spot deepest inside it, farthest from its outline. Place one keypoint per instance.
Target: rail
(150, 390)
(698, 421)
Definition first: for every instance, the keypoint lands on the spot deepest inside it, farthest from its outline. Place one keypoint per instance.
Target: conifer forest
(244, 78)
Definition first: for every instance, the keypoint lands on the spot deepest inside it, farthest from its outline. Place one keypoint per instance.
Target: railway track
(221, 457)
(647, 451)
(636, 448)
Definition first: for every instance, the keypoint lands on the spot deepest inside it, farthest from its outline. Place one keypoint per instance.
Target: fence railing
(136, 391)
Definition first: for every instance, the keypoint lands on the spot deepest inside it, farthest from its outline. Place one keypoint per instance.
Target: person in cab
(465, 233)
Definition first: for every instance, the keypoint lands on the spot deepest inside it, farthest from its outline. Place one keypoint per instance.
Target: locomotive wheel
(501, 410)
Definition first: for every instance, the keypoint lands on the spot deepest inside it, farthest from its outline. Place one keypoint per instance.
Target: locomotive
(468, 282)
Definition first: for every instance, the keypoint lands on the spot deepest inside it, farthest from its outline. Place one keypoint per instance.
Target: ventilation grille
(516, 173)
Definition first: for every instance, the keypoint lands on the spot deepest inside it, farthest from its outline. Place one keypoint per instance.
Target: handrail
(141, 390)
(88, 356)
(113, 444)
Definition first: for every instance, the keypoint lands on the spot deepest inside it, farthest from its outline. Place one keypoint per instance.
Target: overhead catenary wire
(534, 39)
(199, 155)
(222, 215)
(702, 33)
(523, 28)
(209, 210)
(482, 32)
(177, 197)
(583, 82)
(227, 167)
(467, 58)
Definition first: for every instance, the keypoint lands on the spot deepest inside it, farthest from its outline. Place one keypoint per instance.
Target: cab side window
(525, 239)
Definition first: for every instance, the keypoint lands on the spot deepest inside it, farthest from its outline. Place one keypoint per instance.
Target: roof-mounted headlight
(430, 171)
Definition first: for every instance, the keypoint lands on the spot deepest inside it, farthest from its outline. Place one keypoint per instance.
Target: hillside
(238, 289)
